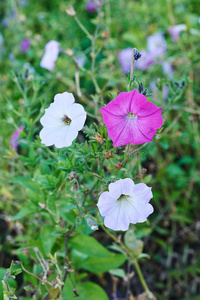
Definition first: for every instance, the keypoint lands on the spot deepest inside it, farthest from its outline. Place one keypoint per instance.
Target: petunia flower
(52, 50)
(176, 30)
(125, 203)
(129, 118)
(145, 61)
(156, 45)
(93, 5)
(14, 141)
(25, 45)
(62, 121)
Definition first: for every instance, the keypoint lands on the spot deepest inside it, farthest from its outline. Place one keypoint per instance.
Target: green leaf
(88, 250)
(133, 243)
(90, 291)
(25, 211)
(12, 283)
(88, 245)
(118, 272)
(103, 264)
(48, 239)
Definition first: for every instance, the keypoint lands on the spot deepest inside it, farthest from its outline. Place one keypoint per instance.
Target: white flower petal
(127, 185)
(115, 188)
(117, 219)
(105, 203)
(142, 192)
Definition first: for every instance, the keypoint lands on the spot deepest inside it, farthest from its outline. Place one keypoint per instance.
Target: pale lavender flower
(52, 50)
(176, 30)
(124, 57)
(62, 121)
(145, 61)
(93, 5)
(156, 45)
(125, 203)
(25, 45)
(14, 141)
(167, 69)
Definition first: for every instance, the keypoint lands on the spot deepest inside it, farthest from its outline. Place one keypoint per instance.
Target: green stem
(142, 280)
(83, 28)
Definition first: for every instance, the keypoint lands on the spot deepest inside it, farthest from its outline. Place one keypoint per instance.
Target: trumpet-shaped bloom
(62, 121)
(125, 203)
(52, 50)
(129, 118)
(176, 30)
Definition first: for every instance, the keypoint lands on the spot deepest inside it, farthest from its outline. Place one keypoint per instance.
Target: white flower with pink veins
(125, 203)
(62, 121)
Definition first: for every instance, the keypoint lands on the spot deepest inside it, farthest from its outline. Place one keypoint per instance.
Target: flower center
(123, 197)
(66, 120)
(130, 115)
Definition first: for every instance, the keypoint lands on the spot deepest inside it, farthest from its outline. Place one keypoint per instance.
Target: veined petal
(149, 124)
(106, 203)
(127, 132)
(117, 219)
(115, 189)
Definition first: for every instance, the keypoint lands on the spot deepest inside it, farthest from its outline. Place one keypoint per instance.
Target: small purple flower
(124, 57)
(156, 45)
(25, 45)
(145, 61)
(52, 50)
(14, 141)
(176, 30)
(93, 5)
(125, 203)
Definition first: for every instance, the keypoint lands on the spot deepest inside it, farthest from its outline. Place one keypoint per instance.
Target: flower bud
(70, 11)
(69, 52)
(72, 175)
(118, 165)
(99, 138)
(108, 154)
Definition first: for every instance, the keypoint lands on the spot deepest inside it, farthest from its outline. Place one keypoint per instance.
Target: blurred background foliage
(171, 237)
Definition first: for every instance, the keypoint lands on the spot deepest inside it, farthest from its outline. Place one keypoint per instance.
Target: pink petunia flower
(125, 203)
(129, 118)
(52, 50)
(14, 141)
(176, 30)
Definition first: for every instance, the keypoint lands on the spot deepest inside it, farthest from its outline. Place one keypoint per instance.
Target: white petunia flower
(62, 121)
(50, 56)
(125, 203)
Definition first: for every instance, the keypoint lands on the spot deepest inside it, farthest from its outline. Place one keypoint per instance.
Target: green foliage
(48, 194)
